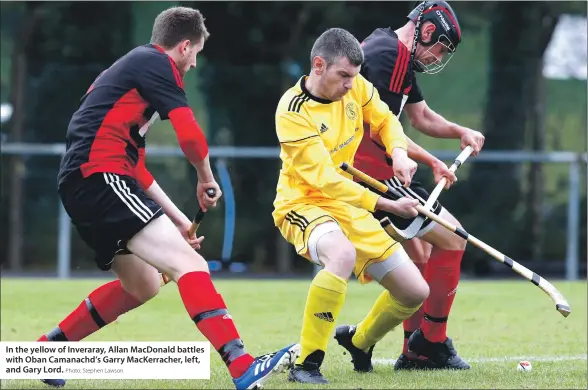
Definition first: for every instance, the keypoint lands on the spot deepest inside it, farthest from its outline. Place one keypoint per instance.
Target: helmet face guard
(442, 44)
(447, 35)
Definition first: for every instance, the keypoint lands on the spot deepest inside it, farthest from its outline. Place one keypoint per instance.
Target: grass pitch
(493, 325)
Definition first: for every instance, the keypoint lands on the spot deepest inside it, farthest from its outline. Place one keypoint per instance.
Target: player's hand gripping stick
(415, 226)
(463, 156)
(561, 304)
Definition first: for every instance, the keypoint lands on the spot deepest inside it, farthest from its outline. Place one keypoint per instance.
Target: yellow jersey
(317, 135)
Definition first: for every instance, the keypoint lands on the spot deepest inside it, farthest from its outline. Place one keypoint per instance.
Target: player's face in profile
(434, 54)
(189, 55)
(338, 79)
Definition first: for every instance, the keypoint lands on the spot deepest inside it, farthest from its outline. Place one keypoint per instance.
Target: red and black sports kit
(103, 177)
(387, 65)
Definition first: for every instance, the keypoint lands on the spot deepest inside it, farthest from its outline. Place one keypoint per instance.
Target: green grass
(489, 320)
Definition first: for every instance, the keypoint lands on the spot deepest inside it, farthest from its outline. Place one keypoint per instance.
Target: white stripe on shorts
(136, 206)
(407, 191)
(397, 184)
(136, 198)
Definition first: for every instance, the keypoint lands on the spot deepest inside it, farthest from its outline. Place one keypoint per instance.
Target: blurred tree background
(51, 52)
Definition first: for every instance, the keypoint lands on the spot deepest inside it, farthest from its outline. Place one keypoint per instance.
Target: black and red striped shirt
(107, 132)
(387, 65)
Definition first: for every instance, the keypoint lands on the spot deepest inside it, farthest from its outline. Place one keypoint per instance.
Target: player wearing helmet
(425, 44)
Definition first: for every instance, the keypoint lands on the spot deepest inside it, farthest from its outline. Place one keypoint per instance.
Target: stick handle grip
(211, 192)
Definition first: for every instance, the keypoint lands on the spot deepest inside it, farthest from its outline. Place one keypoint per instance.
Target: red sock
(209, 312)
(442, 275)
(413, 322)
(103, 306)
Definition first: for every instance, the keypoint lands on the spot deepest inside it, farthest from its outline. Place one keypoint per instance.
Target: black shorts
(107, 211)
(415, 191)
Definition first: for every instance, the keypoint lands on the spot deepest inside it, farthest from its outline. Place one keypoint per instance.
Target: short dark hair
(337, 42)
(177, 24)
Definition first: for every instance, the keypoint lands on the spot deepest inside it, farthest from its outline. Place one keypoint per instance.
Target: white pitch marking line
(506, 359)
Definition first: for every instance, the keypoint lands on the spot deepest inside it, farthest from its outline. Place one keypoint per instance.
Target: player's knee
(340, 259)
(454, 242)
(186, 263)
(417, 294)
(442, 238)
(331, 248)
(420, 292)
(136, 277)
(346, 258)
(144, 288)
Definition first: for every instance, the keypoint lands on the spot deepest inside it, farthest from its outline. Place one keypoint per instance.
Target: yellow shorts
(371, 242)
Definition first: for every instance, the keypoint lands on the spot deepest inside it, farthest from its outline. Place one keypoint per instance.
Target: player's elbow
(417, 122)
(421, 120)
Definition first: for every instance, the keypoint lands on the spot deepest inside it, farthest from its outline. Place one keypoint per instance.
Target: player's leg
(318, 238)
(96, 211)
(405, 291)
(418, 251)
(442, 274)
(138, 282)
(113, 214)
(329, 247)
(161, 245)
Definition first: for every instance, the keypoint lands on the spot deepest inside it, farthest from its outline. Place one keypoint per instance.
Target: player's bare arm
(163, 87)
(438, 167)
(404, 168)
(155, 192)
(427, 121)
(195, 147)
(179, 219)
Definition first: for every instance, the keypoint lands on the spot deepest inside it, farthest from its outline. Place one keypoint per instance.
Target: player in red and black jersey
(122, 213)
(392, 58)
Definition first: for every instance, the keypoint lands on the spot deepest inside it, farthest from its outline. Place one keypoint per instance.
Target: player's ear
(427, 32)
(319, 65)
(185, 46)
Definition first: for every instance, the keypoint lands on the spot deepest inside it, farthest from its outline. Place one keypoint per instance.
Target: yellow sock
(323, 304)
(386, 314)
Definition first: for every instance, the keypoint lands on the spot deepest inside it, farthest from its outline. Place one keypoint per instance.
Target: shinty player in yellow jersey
(326, 215)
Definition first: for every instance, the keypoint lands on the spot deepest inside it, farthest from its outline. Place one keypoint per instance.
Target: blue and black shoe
(264, 366)
(54, 382)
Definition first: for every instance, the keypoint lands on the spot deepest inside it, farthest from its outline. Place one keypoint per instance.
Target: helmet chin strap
(417, 33)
